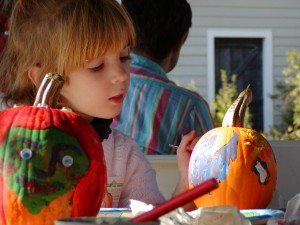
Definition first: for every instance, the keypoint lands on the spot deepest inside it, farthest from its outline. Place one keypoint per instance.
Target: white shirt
(130, 176)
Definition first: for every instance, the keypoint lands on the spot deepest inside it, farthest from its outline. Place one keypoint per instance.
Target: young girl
(88, 42)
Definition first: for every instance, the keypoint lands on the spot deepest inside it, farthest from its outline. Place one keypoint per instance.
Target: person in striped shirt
(156, 112)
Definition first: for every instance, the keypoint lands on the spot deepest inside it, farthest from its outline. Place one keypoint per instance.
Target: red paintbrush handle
(177, 201)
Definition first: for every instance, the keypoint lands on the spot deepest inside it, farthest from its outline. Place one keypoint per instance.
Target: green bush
(289, 101)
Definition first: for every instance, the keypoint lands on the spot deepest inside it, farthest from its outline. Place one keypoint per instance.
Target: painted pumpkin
(52, 163)
(239, 158)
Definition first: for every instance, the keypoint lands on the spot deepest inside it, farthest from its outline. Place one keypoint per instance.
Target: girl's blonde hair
(58, 36)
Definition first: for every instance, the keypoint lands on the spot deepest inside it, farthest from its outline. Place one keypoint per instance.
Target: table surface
(122, 215)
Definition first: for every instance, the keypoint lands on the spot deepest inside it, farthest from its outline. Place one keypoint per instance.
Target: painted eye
(67, 161)
(26, 153)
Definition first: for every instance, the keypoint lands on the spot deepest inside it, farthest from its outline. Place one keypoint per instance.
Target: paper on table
(291, 215)
(138, 207)
(217, 215)
(177, 201)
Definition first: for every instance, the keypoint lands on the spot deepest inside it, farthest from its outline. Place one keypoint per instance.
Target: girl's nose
(120, 74)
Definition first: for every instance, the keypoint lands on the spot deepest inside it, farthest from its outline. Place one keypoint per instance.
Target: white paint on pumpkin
(263, 174)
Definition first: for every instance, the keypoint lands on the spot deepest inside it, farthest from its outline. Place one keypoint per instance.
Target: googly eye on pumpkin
(67, 160)
(26, 153)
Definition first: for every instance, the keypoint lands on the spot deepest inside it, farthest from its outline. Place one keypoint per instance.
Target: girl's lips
(117, 98)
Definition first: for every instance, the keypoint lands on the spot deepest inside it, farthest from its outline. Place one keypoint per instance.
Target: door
(243, 57)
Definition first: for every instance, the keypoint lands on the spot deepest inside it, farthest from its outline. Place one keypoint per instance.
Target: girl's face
(98, 88)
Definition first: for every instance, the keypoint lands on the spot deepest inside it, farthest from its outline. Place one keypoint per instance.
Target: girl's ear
(34, 74)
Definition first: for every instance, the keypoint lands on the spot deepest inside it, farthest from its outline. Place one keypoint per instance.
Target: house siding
(281, 17)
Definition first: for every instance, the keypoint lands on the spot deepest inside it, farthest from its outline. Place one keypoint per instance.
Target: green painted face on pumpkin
(41, 165)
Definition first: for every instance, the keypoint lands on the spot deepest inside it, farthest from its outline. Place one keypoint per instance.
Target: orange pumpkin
(241, 160)
(52, 162)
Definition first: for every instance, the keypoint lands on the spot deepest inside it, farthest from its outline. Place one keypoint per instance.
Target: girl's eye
(97, 68)
(125, 58)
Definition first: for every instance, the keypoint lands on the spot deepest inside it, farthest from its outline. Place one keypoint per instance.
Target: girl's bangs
(113, 38)
(112, 32)
(93, 35)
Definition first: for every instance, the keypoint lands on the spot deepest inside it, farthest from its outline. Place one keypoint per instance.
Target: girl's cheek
(126, 67)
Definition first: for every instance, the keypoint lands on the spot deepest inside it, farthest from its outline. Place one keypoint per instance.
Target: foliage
(225, 97)
(289, 98)
(190, 86)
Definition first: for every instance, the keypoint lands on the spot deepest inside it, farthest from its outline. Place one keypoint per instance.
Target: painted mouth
(33, 186)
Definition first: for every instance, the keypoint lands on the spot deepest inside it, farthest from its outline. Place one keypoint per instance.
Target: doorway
(243, 57)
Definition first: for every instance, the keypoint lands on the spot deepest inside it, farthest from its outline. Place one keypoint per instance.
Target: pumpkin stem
(49, 90)
(234, 116)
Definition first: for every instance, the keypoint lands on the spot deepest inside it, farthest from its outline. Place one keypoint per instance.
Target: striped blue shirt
(156, 112)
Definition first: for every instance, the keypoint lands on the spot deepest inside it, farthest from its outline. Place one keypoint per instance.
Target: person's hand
(194, 142)
(184, 152)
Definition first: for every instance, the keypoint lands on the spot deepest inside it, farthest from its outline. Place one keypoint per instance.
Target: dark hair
(159, 24)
